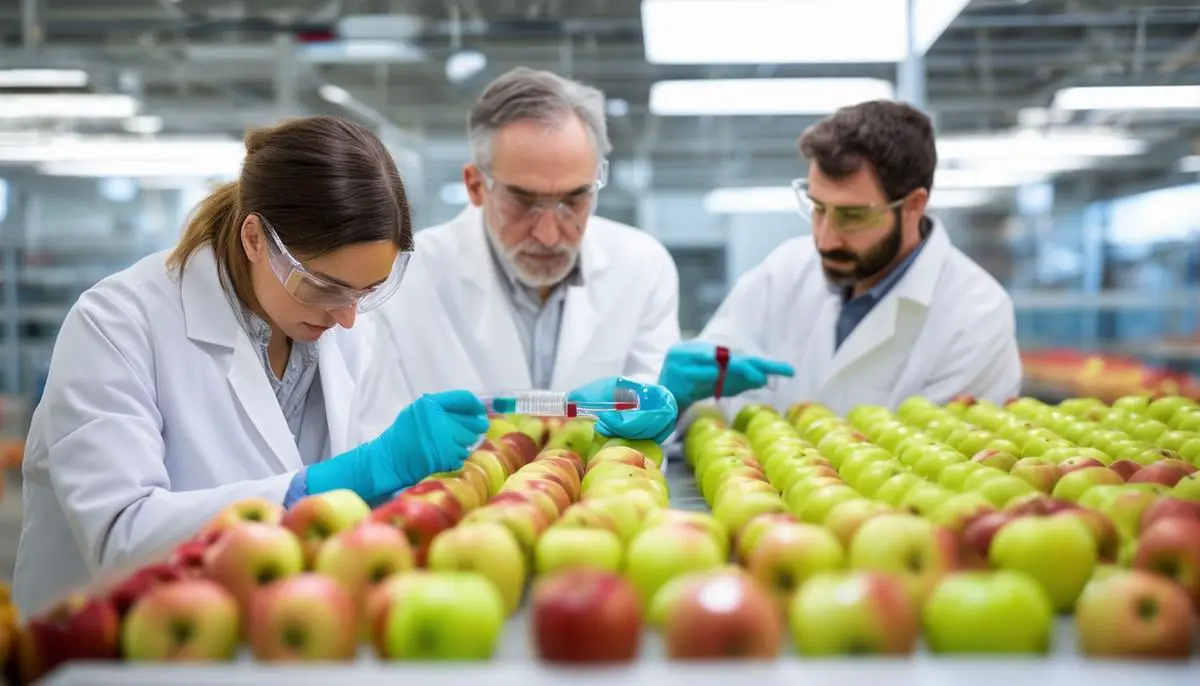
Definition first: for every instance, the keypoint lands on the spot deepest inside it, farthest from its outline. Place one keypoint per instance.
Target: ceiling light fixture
(752, 97)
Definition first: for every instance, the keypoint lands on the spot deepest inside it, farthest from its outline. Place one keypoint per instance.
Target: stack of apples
(965, 520)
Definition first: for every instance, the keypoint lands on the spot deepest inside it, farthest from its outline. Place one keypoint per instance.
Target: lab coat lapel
(210, 319)
(581, 320)
(336, 386)
(878, 327)
(499, 355)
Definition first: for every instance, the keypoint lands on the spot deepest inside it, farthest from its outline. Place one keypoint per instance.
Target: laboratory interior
(1067, 137)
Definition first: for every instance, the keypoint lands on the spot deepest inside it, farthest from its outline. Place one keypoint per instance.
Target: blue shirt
(854, 310)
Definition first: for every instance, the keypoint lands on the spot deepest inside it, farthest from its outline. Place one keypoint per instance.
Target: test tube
(542, 403)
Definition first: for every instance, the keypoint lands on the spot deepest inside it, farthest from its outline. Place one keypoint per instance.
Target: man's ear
(474, 181)
(916, 202)
(254, 241)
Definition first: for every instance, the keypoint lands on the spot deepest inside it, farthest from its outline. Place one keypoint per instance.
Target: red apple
(249, 510)
(1178, 464)
(1039, 504)
(1072, 463)
(533, 482)
(458, 488)
(250, 555)
(1037, 472)
(621, 454)
(1171, 547)
(316, 517)
(569, 455)
(304, 618)
(548, 472)
(723, 616)
(1125, 468)
(76, 628)
(440, 498)
(187, 621)
(1159, 473)
(1170, 508)
(479, 479)
(538, 499)
(126, 592)
(189, 555)
(419, 520)
(583, 615)
(1134, 614)
(522, 446)
(364, 556)
(978, 534)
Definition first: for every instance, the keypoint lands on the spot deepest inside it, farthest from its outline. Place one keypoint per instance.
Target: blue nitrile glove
(434, 434)
(690, 372)
(654, 418)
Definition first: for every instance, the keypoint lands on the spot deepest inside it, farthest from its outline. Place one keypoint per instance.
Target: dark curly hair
(894, 138)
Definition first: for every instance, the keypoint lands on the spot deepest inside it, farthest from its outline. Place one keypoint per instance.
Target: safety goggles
(845, 220)
(319, 292)
(516, 205)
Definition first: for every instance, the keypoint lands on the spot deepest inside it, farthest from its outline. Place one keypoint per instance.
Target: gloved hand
(690, 372)
(434, 434)
(654, 418)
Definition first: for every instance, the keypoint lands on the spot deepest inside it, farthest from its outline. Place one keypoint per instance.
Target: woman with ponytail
(231, 367)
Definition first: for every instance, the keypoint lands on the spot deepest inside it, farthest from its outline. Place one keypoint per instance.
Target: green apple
(188, 620)
(798, 493)
(487, 548)
(1004, 489)
(1038, 472)
(1072, 485)
(853, 613)
(894, 489)
(703, 521)
(974, 442)
(954, 476)
(1174, 440)
(748, 412)
(995, 458)
(1187, 419)
(955, 513)
(804, 417)
(736, 509)
(660, 553)
(787, 555)
(917, 549)
(874, 475)
(651, 450)
(925, 498)
(982, 476)
(532, 427)
(452, 615)
(576, 435)
(499, 426)
(989, 612)
(818, 503)
(1059, 552)
(1190, 450)
(930, 466)
(845, 518)
(568, 547)
(862, 458)
(1164, 409)
(1187, 488)
(793, 472)
(613, 487)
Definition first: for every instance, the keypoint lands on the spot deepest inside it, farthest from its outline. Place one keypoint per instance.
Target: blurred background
(1069, 140)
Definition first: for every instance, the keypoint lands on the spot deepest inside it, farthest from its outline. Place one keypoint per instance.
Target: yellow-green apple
(75, 628)
(456, 486)
(524, 520)
(930, 466)
(304, 618)
(419, 520)
(925, 498)
(919, 550)
(248, 510)
(1058, 552)
(981, 476)
(649, 449)
(748, 411)
(499, 426)
(361, 558)
(875, 475)
(662, 552)
(542, 501)
(493, 465)
(532, 427)
(562, 453)
(1150, 455)
(853, 613)
(575, 435)
(723, 471)
(571, 469)
(741, 485)
(544, 474)
(976, 538)
(955, 475)
(1037, 472)
(1163, 472)
(626, 512)
(538, 482)
(380, 602)
(745, 624)
(957, 512)
(1108, 539)
(748, 537)
(564, 548)
(703, 521)
(585, 616)
(818, 503)
(894, 489)
(622, 486)
(477, 476)
(978, 612)
(447, 616)
(1072, 485)
(738, 508)
(854, 464)
(607, 471)
(582, 516)
(845, 518)
(786, 555)
(798, 493)
(1171, 547)
(562, 474)
(1188, 488)
(250, 555)
(1134, 614)
(487, 548)
(1126, 509)
(1004, 489)
(193, 620)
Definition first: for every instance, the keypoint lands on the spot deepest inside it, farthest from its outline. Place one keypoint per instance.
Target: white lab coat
(157, 413)
(452, 324)
(947, 327)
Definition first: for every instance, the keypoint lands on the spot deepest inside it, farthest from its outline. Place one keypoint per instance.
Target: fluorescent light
(782, 199)
(464, 64)
(360, 51)
(43, 78)
(104, 149)
(1032, 144)
(144, 124)
(1128, 98)
(732, 97)
(176, 169)
(1190, 164)
(68, 106)
(334, 94)
(789, 31)
(454, 194)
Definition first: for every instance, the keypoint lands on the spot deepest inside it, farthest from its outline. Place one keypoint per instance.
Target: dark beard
(866, 266)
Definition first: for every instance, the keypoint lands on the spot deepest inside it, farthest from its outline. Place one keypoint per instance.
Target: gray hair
(524, 94)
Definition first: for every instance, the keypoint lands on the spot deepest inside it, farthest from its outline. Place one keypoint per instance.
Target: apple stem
(1147, 608)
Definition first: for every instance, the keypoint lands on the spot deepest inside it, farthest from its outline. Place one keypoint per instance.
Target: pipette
(540, 403)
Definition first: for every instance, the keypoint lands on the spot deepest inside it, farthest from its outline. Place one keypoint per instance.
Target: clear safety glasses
(517, 206)
(316, 291)
(845, 220)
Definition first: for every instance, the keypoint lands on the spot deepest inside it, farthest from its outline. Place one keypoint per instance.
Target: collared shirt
(299, 391)
(538, 323)
(856, 309)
